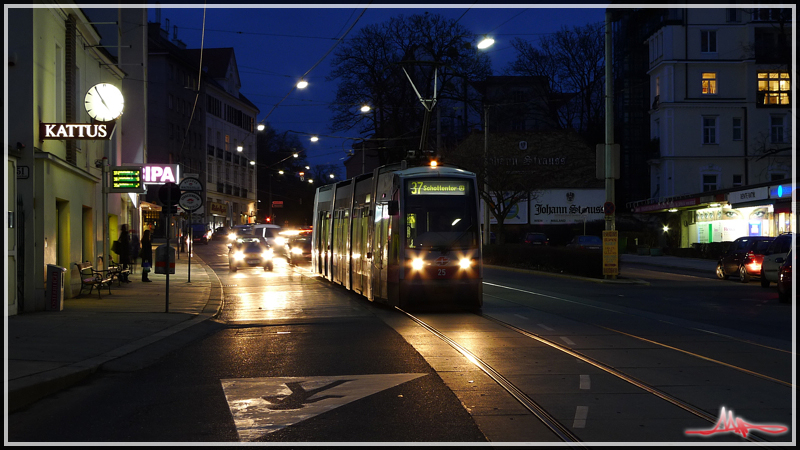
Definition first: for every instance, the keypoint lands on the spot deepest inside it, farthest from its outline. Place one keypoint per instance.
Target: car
(536, 239)
(200, 233)
(743, 258)
(785, 279)
(220, 233)
(586, 242)
(774, 257)
(272, 234)
(249, 251)
(298, 248)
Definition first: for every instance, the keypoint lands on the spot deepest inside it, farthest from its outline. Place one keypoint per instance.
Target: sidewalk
(51, 350)
(671, 262)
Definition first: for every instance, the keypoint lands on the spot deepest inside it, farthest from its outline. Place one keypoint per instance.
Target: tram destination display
(437, 187)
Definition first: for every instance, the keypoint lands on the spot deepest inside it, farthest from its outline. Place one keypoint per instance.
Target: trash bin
(55, 288)
(165, 259)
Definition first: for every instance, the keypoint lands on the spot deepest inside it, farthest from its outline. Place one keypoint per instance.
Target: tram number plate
(442, 272)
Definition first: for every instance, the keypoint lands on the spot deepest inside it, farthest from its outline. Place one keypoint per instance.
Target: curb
(571, 277)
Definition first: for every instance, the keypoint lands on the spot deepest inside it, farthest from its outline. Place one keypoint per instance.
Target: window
(709, 182)
(708, 41)
(737, 128)
(731, 15)
(709, 83)
(774, 88)
(777, 176)
(776, 129)
(709, 130)
(737, 180)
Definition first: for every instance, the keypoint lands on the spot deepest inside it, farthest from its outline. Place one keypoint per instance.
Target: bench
(93, 278)
(115, 271)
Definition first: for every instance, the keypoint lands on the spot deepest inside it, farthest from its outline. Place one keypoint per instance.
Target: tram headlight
(417, 264)
(465, 263)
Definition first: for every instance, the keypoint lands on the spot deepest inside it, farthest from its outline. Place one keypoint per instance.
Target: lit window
(774, 87)
(709, 83)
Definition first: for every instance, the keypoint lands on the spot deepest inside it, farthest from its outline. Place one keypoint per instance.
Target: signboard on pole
(127, 179)
(610, 253)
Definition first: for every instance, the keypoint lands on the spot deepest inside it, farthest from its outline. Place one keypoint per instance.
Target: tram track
(554, 425)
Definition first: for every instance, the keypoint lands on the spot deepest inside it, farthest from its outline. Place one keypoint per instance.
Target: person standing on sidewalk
(125, 251)
(147, 256)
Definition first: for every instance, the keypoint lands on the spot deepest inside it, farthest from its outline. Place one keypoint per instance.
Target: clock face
(104, 102)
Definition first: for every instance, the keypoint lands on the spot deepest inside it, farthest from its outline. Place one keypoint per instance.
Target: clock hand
(101, 97)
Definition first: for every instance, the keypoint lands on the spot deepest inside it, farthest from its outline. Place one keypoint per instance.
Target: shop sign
(781, 191)
(218, 209)
(666, 205)
(159, 173)
(748, 195)
(562, 206)
(74, 131)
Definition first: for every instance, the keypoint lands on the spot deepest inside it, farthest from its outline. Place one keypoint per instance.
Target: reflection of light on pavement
(269, 304)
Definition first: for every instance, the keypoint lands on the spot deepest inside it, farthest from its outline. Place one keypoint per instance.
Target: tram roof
(437, 171)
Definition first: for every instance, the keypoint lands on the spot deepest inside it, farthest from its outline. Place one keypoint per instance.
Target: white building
(722, 109)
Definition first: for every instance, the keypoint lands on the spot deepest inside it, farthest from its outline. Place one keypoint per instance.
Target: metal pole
(609, 163)
(169, 230)
(363, 159)
(486, 233)
(106, 237)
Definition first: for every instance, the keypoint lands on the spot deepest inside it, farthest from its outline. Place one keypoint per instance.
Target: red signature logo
(727, 423)
(441, 261)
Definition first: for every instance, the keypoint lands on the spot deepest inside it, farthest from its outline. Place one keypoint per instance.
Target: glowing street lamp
(485, 43)
(314, 139)
(260, 127)
(302, 84)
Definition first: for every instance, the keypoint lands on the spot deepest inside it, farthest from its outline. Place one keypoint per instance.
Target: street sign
(277, 204)
(127, 179)
(190, 201)
(169, 193)
(191, 184)
(608, 208)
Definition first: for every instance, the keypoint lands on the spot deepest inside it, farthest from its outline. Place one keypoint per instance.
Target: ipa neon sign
(160, 173)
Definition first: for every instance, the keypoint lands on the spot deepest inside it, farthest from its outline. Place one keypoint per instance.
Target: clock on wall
(104, 102)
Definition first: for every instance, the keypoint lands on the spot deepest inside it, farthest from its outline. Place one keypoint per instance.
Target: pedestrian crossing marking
(264, 405)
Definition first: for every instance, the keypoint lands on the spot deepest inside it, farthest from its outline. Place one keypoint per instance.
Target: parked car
(249, 251)
(785, 279)
(536, 239)
(298, 248)
(200, 233)
(743, 258)
(774, 258)
(586, 242)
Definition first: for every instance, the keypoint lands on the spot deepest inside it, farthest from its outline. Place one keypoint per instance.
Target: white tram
(407, 237)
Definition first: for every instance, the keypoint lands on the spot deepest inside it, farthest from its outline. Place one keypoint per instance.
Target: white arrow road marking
(265, 405)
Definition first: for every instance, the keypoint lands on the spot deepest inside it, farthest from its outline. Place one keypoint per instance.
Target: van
(200, 233)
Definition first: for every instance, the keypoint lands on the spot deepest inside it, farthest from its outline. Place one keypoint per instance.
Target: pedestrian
(147, 256)
(124, 251)
(134, 250)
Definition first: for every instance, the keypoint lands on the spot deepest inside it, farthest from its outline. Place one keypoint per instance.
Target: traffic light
(269, 219)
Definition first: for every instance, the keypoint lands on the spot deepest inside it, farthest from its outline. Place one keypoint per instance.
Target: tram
(406, 237)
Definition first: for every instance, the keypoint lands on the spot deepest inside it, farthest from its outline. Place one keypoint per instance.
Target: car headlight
(465, 263)
(267, 254)
(280, 241)
(417, 264)
(232, 237)
(238, 255)
(297, 251)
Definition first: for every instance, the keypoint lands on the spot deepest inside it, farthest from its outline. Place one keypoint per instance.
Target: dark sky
(276, 45)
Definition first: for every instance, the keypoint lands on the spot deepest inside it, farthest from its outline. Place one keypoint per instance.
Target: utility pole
(487, 239)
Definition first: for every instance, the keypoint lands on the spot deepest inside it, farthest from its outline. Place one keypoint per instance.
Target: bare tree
(370, 69)
(573, 62)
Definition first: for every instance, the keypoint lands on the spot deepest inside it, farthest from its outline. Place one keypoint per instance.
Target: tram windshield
(440, 214)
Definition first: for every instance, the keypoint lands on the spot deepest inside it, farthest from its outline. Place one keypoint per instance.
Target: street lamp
(302, 84)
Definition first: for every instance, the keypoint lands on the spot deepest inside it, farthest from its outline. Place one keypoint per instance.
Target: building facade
(62, 213)
(721, 117)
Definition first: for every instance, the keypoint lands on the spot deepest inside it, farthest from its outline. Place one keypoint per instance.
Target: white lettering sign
(160, 174)
(66, 131)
